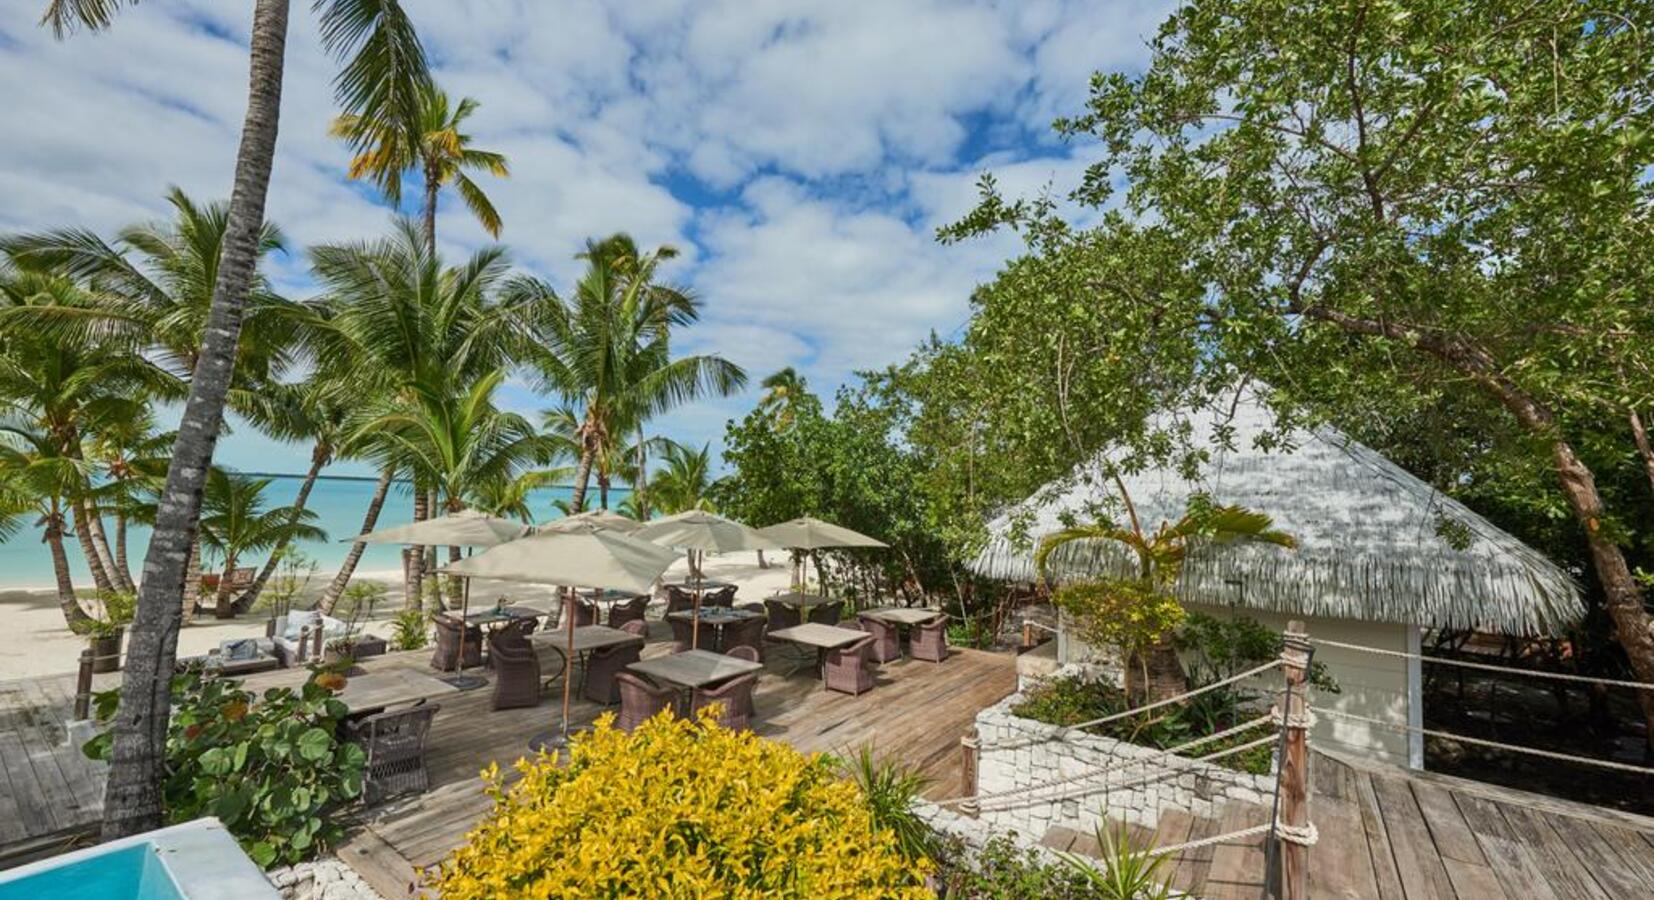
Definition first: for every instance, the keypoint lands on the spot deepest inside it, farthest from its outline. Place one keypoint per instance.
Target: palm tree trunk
(83, 535)
(413, 559)
(120, 550)
(336, 589)
(602, 491)
(73, 615)
(132, 796)
(319, 458)
(224, 597)
(192, 584)
(100, 545)
(433, 183)
(582, 474)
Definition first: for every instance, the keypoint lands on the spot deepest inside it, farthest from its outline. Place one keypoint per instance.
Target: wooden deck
(1390, 834)
(51, 795)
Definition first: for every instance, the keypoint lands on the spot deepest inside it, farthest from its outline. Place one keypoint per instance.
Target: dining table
(801, 601)
(718, 617)
(588, 639)
(375, 691)
(703, 587)
(902, 615)
(692, 669)
(822, 637)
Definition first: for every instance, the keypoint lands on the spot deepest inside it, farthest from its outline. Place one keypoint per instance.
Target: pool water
(134, 872)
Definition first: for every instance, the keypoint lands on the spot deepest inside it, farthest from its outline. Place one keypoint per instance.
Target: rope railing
(1497, 745)
(1486, 667)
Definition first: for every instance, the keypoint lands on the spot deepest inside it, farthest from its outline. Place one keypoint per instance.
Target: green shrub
(271, 768)
(115, 611)
(410, 630)
(1004, 871)
(1215, 649)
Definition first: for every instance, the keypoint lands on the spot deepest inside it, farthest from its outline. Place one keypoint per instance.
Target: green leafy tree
(1427, 198)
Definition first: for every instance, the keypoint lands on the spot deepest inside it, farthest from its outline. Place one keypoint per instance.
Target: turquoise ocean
(339, 504)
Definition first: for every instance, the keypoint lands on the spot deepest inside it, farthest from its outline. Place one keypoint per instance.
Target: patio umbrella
(610, 520)
(584, 554)
(701, 531)
(809, 533)
(466, 528)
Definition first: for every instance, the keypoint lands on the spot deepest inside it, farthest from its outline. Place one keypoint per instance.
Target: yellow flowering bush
(677, 809)
(1123, 613)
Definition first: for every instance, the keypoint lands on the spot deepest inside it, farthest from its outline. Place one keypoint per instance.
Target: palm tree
(35, 475)
(606, 350)
(684, 483)
(235, 522)
(133, 459)
(781, 390)
(1159, 561)
(435, 145)
(384, 69)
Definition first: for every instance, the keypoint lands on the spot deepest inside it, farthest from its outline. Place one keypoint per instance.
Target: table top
(586, 638)
(606, 596)
(716, 615)
(704, 586)
(816, 634)
(902, 615)
(486, 616)
(803, 601)
(694, 668)
(389, 688)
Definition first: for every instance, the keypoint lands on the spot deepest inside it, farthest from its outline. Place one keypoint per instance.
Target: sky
(799, 155)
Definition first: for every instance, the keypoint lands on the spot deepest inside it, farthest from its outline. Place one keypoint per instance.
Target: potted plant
(106, 628)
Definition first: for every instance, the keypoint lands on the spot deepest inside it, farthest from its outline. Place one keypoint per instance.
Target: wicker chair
(683, 632)
(516, 669)
(584, 613)
(679, 600)
(602, 667)
(887, 641)
(782, 615)
(747, 633)
(448, 631)
(753, 608)
(395, 746)
(930, 640)
(735, 697)
(847, 667)
(632, 610)
(724, 597)
(638, 627)
(640, 700)
(827, 613)
(747, 653)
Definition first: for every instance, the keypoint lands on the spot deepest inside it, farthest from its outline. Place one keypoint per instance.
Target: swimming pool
(197, 860)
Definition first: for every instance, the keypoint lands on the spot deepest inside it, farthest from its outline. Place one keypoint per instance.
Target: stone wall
(322, 879)
(1016, 754)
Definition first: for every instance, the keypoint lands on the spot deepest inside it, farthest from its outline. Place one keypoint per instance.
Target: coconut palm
(435, 145)
(685, 481)
(35, 476)
(781, 390)
(606, 349)
(132, 457)
(235, 522)
(1158, 559)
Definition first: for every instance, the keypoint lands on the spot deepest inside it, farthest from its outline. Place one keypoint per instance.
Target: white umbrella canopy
(610, 520)
(809, 533)
(466, 528)
(704, 531)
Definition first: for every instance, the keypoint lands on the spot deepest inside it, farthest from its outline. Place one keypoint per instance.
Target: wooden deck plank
(1340, 864)
(1452, 835)
(1511, 862)
(1237, 871)
(1629, 843)
(1379, 851)
(1568, 877)
(1608, 863)
(1473, 882)
(1194, 863)
(1420, 868)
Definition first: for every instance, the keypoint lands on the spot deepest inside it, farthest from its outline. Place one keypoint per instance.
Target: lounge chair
(298, 637)
(395, 745)
(516, 669)
(930, 640)
(640, 700)
(735, 699)
(847, 668)
(633, 610)
(887, 642)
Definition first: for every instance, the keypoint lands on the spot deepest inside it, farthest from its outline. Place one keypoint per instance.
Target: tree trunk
(73, 615)
(456, 584)
(100, 543)
(432, 185)
(192, 584)
(336, 589)
(120, 550)
(1639, 434)
(319, 458)
(224, 597)
(413, 559)
(602, 491)
(1154, 674)
(83, 534)
(132, 796)
(582, 474)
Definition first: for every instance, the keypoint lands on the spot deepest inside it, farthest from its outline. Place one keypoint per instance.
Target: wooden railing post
(1027, 634)
(83, 686)
(1292, 835)
(968, 750)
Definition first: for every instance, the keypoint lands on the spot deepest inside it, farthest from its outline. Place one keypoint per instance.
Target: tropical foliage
(678, 809)
(235, 522)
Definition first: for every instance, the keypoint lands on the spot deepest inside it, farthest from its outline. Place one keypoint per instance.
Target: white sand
(35, 641)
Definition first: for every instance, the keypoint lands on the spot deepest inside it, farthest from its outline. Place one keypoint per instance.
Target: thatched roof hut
(1372, 542)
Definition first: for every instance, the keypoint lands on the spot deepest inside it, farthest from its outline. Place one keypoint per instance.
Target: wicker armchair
(753, 608)
(887, 641)
(847, 667)
(679, 600)
(395, 746)
(638, 627)
(584, 613)
(782, 615)
(747, 653)
(632, 610)
(827, 613)
(448, 631)
(602, 667)
(683, 632)
(516, 669)
(735, 697)
(640, 700)
(930, 640)
(747, 633)
(724, 597)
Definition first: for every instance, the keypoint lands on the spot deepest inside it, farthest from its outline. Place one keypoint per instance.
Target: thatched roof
(1370, 537)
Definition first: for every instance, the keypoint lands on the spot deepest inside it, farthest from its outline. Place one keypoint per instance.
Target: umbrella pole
(464, 610)
(695, 626)
(568, 658)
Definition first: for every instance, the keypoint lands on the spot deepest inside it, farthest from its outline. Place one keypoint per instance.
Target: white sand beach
(35, 641)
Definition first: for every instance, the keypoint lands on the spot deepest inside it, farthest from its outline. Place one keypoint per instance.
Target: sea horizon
(339, 502)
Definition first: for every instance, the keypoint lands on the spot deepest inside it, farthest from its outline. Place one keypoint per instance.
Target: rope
(1062, 733)
(1306, 720)
(1214, 839)
(1104, 770)
(1488, 667)
(1531, 751)
(1304, 836)
(1122, 785)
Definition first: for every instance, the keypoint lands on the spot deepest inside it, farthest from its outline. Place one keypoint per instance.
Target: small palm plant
(235, 522)
(1139, 614)
(1126, 871)
(890, 789)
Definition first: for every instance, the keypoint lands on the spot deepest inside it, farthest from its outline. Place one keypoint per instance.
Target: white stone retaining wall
(321, 879)
(1016, 754)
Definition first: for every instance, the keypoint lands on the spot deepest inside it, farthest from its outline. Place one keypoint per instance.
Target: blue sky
(800, 155)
